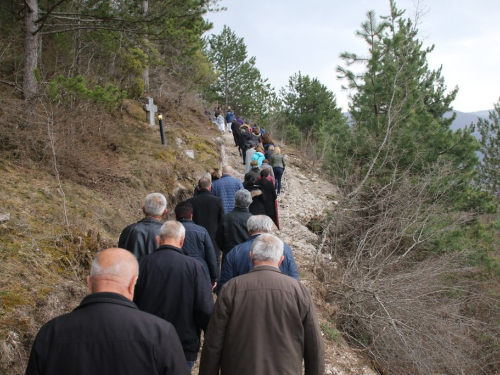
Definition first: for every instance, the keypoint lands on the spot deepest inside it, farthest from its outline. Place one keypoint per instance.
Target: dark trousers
(278, 173)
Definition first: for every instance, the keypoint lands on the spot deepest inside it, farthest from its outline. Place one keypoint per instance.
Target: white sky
(308, 35)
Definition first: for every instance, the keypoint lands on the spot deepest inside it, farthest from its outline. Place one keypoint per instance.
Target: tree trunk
(145, 73)
(31, 44)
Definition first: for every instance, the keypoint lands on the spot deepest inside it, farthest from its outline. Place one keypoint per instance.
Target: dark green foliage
(489, 170)
(63, 89)
(397, 107)
(311, 107)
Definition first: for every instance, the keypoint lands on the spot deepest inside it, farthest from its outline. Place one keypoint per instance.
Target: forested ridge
(405, 252)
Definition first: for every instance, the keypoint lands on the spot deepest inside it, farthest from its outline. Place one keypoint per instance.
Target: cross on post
(150, 109)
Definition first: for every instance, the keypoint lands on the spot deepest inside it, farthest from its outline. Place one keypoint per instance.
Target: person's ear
(144, 210)
(158, 240)
(250, 254)
(281, 260)
(164, 213)
(89, 284)
(131, 286)
(181, 241)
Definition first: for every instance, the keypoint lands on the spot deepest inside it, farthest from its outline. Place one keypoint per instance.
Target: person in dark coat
(264, 322)
(233, 229)
(235, 128)
(244, 141)
(172, 286)
(207, 211)
(107, 334)
(197, 243)
(270, 205)
(197, 188)
(238, 262)
(140, 238)
(258, 196)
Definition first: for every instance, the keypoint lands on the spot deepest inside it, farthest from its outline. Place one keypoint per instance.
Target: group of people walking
(152, 295)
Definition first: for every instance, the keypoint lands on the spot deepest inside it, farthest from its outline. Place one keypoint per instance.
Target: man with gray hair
(173, 286)
(263, 322)
(237, 261)
(140, 238)
(226, 188)
(233, 229)
(107, 334)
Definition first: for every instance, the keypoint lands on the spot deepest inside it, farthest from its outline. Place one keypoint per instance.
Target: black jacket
(172, 286)
(198, 245)
(207, 212)
(233, 229)
(107, 334)
(258, 200)
(140, 238)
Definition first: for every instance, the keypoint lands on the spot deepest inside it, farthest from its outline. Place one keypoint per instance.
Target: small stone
(190, 153)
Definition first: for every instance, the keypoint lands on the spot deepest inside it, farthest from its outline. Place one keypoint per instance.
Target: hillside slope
(72, 196)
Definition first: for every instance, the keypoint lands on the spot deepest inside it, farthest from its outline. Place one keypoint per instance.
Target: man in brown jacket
(263, 322)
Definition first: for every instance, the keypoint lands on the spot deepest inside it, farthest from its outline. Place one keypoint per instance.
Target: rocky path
(305, 197)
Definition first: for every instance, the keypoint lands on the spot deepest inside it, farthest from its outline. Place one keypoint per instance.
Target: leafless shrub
(401, 301)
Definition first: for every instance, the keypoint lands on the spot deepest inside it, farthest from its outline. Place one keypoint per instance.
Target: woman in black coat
(270, 193)
(258, 197)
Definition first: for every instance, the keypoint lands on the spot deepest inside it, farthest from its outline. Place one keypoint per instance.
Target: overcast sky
(287, 36)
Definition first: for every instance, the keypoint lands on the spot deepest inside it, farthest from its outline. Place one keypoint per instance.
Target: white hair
(155, 204)
(242, 198)
(267, 247)
(125, 267)
(172, 229)
(259, 223)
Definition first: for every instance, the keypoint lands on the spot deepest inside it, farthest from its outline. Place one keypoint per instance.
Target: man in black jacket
(140, 238)
(173, 287)
(197, 243)
(107, 334)
(233, 229)
(207, 211)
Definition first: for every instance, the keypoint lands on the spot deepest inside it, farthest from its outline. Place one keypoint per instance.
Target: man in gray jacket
(263, 322)
(140, 238)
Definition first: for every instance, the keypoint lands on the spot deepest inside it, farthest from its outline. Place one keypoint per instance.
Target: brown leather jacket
(263, 322)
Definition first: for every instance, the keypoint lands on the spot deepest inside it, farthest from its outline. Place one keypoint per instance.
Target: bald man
(107, 334)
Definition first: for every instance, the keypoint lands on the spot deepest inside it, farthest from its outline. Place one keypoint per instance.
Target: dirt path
(304, 197)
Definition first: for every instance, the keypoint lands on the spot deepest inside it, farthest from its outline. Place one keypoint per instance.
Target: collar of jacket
(149, 219)
(265, 268)
(107, 297)
(185, 220)
(204, 192)
(170, 247)
(241, 209)
(225, 175)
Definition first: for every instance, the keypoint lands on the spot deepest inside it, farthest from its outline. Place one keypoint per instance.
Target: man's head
(227, 169)
(171, 233)
(155, 205)
(205, 183)
(259, 224)
(267, 250)
(242, 199)
(184, 210)
(114, 270)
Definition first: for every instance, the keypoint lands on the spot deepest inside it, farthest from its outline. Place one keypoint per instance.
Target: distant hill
(462, 120)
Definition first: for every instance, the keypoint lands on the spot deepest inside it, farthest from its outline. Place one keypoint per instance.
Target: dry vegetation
(71, 180)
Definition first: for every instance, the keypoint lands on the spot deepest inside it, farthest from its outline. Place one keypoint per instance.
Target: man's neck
(266, 263)
(155, 217)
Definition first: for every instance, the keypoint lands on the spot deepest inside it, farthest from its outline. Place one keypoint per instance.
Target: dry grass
(72, 179)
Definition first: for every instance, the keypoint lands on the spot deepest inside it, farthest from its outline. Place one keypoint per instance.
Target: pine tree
(310, 106)
(489, 170)
(239, 82)
(398, 103)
